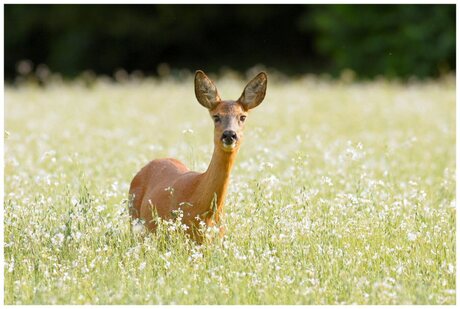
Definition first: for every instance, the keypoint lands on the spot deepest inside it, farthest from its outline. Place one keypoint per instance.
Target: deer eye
(216, 118)
(242, 118)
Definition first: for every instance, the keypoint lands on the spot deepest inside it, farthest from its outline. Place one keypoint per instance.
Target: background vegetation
(341, 193)
(389, 40)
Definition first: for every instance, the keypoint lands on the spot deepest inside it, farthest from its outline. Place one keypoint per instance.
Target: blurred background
(392, 41)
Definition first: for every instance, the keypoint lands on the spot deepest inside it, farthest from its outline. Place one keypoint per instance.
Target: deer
(164, 186)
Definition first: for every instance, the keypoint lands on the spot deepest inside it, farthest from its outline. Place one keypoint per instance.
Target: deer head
(229, 116)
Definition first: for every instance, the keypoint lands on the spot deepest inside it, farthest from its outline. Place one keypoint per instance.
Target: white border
(215, 2)
(2, 174)
(230, 2)
(457, 131)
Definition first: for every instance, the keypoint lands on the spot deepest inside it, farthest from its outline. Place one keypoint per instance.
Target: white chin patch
(229, 147)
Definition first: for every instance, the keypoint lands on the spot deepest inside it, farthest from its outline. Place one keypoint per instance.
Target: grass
(342, 193)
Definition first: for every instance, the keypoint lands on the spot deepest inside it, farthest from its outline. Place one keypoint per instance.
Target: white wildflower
(170, 190)
(138, 226)
(187, 131)
(411, 236)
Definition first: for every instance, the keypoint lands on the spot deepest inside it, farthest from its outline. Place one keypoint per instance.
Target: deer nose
(229, 137)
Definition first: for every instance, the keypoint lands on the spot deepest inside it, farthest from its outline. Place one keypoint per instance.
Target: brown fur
(167, 184)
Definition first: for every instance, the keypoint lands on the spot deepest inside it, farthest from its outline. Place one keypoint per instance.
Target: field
(342, 193)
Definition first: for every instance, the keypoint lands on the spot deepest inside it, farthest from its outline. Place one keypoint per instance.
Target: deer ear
(205, 90)
(254, 92)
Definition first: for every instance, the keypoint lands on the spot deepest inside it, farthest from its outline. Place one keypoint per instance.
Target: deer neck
(215, 180)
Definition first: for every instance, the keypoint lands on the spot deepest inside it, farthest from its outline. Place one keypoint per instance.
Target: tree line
(371, 40)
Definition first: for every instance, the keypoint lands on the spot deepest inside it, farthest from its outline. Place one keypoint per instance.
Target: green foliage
(391, 40)
(71, 38)
(341, 193)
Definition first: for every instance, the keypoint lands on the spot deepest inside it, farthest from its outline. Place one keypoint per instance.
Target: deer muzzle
(229, 139)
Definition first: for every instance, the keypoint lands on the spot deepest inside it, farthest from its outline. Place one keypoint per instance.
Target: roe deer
(166, 185)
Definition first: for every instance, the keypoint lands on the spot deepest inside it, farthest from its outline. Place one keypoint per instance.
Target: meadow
(343, 193)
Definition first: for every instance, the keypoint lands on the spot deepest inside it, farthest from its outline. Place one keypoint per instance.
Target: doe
(167, 185)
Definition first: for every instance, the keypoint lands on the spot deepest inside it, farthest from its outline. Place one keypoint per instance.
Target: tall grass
(342, 193)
